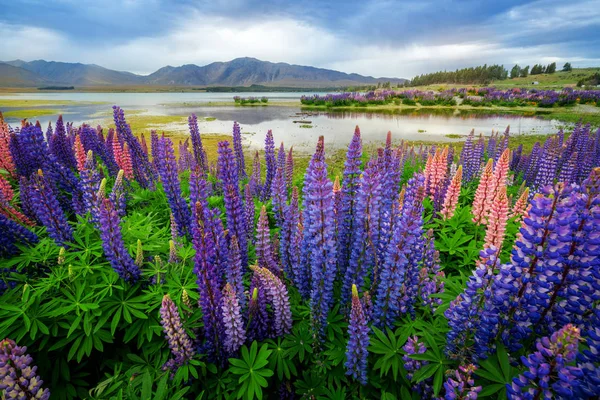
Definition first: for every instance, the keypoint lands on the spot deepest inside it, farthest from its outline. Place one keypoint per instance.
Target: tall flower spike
(278, 189)
(499, 178)
(13, 233)
(549, 376)
(18, 377)
(234, 209)
(358, 341)
(167, 168)
(6, 160)
(277, 294)
(264, 251)
(118, 195)
(239, 151)
(178, 339)
(112, 242)
(235, 336)
(484, 191)
(452, 194)
(173, 257)
(199, 153)
(48, 210)
(234, 272)
(289, 168)
(139, 254)
(319, 247)
(518, 210)
(249, 211)
(258, 317)
(79, 153)
(497, 219)
(255, 181)
(271, 165)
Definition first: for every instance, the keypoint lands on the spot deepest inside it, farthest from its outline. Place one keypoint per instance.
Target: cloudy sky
(370, 37)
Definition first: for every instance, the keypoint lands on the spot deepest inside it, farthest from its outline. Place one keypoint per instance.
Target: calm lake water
(290, 124)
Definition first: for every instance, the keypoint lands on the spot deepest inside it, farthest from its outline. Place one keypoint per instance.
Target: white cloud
(29, 42)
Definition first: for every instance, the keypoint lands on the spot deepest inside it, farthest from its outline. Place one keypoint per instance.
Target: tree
(551, 68)
(515, 72)
(567, 67)
(525, 72)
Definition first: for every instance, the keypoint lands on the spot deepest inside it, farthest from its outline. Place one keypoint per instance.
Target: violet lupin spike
(178, 339)
(234, 272)
(112, 242)
(289, 251)
(235, 335)
(249, 211)
(277, 294)
(255, 181)
(271, 165)
(548, 375)
(460, 385)
(234, 209)
(358, 341)
(289, 168)
(264, 251)
(239, 151)
(319, 236)
(279, 190)
(199, 153)
(18, 377)
(48, 210)
(258, 317)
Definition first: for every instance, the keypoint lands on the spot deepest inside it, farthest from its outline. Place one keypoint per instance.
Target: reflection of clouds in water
(336, 126)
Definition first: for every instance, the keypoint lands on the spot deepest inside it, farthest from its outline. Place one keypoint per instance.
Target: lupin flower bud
(112, 242)
(178, 339)
(61, 256)
(549, 376)
(518, 210)
(358, 341)
(173, 257)
(118, 195)
(451, 199)
(139, 254)
(235, 336)
(18, 378)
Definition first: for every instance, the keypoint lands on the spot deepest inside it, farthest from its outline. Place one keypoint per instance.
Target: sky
(380, 38)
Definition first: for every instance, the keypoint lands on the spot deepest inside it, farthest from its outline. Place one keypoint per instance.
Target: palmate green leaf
(251, 370)
(426, 372)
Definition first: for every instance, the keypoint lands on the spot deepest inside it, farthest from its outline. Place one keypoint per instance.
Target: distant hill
(11, 76)
(238, 72)
(77, 73)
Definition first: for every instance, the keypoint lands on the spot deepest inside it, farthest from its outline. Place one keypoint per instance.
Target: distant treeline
(474, 75)
(56, 88)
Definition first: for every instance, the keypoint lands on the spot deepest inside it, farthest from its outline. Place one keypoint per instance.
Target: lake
(289, 122)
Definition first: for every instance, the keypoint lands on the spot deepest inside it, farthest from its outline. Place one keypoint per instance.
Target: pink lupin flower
(80, 155)
(483, 192)
(438, 168)
(6, 190)
(520, 205)
(451, 199)
(499, 178)
(6, 161)
(127, 163)
(497, 218)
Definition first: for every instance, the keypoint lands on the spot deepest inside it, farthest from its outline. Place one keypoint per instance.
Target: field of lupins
(128, 273)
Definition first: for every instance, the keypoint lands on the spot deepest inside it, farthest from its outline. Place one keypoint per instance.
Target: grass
(306, 126)
(35, 103)
(32, 113)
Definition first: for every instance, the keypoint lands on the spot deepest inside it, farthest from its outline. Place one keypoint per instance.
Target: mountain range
(238, 72)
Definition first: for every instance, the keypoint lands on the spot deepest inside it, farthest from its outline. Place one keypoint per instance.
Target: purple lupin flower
(459, 385)
(255, 181)
(258, 317)
(358, 341)
(18, 377)
(167, 168)
(277, 295)
(264, 252)
(278, 189)
(206, 270)
(289, 168)
(271, 165)
(347, 218)
(48, 210)
(118, 195)
(239, 151)
(234, 209)
(178, 339)
(319, 247)
(112, 242)
(142, 169)
(288, 252)
(407, 236)
(90, 183)
(13, 234)
(235, 275)
(363, 258)
(549, 376)
(199, 153)
(235, 336)
(411, 347)
(249, 211)
(60, 146)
